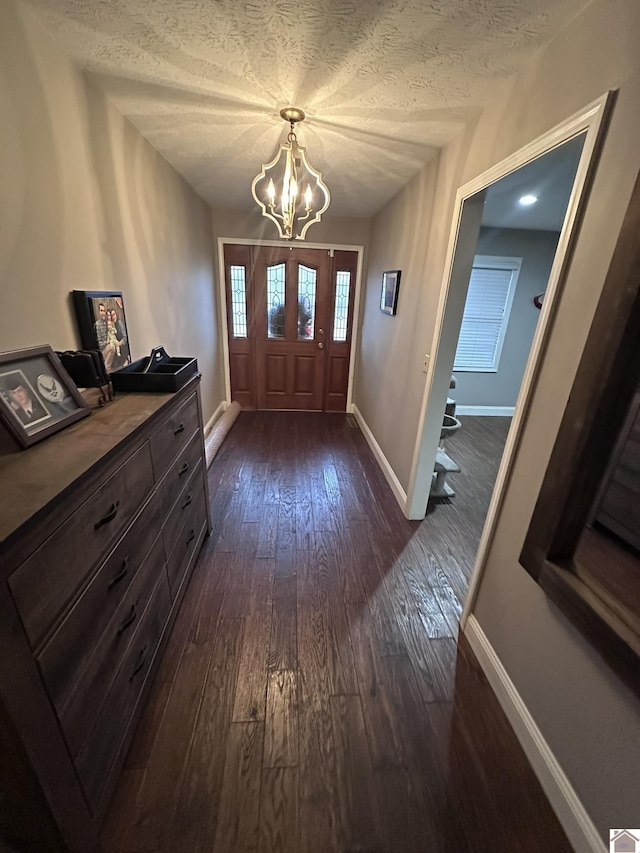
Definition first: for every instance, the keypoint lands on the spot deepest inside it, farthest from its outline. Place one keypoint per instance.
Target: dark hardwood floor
(313, 696)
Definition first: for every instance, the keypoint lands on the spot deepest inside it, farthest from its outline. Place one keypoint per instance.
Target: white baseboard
(383, 462)
(484, 411)
(224, 405)
(577, 824)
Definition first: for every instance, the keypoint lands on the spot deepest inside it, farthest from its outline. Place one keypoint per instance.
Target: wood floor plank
(283, 652)
(160, 791)
(279, 821)
(359, 824)
(268, 531)
(384, 739)
(122, 810)
(238, 818)
(281, 723)
(251, 690)
(194, 821)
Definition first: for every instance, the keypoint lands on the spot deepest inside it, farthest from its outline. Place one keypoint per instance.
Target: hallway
(312, 697)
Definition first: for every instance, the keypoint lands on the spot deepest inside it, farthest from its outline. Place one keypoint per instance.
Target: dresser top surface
(30, 479)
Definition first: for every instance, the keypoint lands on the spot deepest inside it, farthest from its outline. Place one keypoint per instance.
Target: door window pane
(340, 317)
(306, 302)
(275, 301)
(239, 301)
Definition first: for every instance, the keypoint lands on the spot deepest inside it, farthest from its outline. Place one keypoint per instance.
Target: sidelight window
(341, 313)
(239, 301)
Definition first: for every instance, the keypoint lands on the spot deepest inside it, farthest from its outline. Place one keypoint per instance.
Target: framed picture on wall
(389, 294)
(103, 325)
(37, 395)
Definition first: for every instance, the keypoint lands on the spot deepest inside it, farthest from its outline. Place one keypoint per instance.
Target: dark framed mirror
(582, 545)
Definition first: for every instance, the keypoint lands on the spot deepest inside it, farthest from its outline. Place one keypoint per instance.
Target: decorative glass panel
(306, 303)
(239, 301)
(343, 285)
(275, 300)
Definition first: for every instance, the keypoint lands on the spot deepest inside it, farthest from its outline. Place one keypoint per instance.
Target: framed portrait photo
(103, 325)
(389, 294)
(37, 395)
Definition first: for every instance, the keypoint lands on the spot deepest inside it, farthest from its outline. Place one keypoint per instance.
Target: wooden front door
(290, 312)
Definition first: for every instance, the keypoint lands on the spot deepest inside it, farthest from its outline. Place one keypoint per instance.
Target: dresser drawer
(103, 743)
(184, 543)
(180, 472)
(72, 645)
(174, 434)
(191, 490)
(80, 705)
(46, 581)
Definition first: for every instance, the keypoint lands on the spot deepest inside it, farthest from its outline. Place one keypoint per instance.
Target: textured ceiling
(384, 83)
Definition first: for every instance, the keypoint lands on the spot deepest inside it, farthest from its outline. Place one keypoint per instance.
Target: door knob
(321, 331)
(320, 345)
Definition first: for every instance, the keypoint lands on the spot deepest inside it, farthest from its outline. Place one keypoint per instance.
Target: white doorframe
(330, 247)
(590, 120)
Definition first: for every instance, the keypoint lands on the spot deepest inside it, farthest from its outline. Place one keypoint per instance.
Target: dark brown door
(292, 289)
(289, 313)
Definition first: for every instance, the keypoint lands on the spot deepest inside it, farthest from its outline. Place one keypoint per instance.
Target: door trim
(222, 293)
(592, 119)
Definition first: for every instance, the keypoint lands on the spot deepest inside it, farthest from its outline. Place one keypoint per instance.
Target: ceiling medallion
(288, 189)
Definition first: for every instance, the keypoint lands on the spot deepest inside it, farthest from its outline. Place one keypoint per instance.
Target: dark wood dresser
(100, 526)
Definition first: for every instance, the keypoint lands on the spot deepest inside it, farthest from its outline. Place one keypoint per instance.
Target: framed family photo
(37, 395)
(103, 325)
(389, 294)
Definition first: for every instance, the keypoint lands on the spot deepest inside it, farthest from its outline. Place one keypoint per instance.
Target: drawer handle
(142, 662)
(113, 511)
(121, 574)
(178, 429)
(183, 469)
(131, 618)
(192, 536)
(187, 501)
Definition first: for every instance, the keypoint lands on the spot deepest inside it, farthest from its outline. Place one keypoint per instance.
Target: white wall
(537, 250)
(87, 204)
(587, 715)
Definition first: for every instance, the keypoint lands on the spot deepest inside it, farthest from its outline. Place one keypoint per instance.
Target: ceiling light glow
(527, 200)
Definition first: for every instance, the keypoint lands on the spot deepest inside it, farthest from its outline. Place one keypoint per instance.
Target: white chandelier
(303, 196)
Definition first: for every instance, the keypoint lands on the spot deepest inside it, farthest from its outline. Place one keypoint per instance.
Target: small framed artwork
(103, 325)
(389, 295)
(37, 395)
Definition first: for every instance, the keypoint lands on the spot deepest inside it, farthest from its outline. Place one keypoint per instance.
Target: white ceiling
(384, 83)
(549, 178)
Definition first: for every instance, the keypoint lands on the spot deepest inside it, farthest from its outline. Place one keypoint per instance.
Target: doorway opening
(570, 148)
(290, 325)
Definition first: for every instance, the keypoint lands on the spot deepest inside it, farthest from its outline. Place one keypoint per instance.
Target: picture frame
(37, 396)
(389, 294)
(102, 325)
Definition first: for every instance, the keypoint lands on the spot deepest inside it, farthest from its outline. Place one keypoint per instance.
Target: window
(486, 313)
(306, 302)
(343, 285)
(239, 301)
(276, 300)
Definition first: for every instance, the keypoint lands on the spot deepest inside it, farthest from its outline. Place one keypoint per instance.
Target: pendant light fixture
(288, 189)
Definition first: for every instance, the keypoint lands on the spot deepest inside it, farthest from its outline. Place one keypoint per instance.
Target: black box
(156, 372)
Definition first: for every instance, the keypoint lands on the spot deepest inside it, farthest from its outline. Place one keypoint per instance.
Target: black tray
(156, 372)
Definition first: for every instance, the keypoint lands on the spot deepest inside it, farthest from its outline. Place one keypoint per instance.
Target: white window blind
(486, 313)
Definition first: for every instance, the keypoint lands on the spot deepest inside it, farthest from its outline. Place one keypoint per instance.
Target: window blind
(486, 314)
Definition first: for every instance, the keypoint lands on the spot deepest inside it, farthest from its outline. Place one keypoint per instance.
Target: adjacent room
(319, 426)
